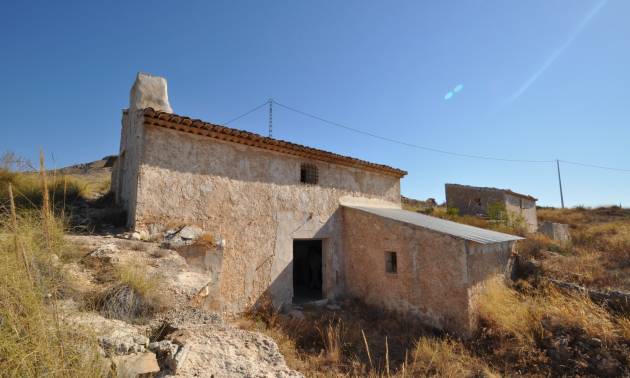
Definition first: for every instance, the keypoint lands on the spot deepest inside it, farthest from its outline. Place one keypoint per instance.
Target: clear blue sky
(541, 79)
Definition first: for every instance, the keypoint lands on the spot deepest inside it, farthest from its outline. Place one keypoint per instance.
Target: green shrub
(497, 212)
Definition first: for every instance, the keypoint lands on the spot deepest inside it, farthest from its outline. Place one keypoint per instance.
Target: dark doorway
(307, 270)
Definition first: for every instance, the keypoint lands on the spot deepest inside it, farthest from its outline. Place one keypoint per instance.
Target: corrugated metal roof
(459, 230)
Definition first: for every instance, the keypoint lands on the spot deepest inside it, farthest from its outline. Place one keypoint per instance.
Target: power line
(246, 113)
(595, 166)
(425, 148)
(471, 156)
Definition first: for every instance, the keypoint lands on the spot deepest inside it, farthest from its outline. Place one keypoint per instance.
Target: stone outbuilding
(295, 223)
(555, 231)
(474, 200)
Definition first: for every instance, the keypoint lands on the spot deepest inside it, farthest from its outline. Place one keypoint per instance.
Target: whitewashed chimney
(149, 91)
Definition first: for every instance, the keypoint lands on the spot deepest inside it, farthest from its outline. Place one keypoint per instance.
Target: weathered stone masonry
(472, 200)
(247, 190)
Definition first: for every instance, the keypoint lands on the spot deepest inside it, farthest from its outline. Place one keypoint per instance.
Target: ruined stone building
(473, 200)
(296, 223)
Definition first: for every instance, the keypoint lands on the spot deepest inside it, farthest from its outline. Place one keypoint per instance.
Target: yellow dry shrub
(35, 340)
(624, 328)
(577, 310)
(445, 358)
(509, 312)
(521, 315)
(206, 239)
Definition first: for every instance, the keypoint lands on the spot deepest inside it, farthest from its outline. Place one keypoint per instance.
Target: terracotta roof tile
(196, 126)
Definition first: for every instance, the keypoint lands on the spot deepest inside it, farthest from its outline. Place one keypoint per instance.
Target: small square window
(308, 174)
(391, 263)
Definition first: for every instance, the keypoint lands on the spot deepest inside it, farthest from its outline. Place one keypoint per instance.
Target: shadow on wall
(303, 237)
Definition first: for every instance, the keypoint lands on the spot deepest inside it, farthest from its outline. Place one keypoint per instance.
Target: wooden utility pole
(560, 183)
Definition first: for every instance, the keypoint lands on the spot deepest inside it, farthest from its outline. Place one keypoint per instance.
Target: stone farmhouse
(473, 200)
(296, 223)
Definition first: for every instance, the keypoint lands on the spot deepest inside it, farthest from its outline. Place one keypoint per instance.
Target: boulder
(135, 365)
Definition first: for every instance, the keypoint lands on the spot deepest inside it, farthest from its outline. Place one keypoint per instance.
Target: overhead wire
(246, 113)
(392, 140)
(594, 166)
(425, 148)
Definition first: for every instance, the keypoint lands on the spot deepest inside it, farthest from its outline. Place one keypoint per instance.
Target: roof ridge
(197, 126)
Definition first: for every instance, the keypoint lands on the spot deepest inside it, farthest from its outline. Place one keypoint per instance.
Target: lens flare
(448, 95)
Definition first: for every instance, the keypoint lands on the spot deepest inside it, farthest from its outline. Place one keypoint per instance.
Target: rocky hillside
(174, 338)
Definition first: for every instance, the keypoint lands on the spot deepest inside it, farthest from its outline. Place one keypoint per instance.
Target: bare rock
(114, 336)
(105, 253)
(209, 347)
(190, 232)
(135, 365)
(224, 351)
(171, 355)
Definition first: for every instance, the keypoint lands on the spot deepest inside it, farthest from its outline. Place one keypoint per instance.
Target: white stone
(190, 232)
(149, 91)
(134, 365)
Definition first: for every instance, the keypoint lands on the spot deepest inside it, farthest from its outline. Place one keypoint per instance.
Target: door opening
(307, 270)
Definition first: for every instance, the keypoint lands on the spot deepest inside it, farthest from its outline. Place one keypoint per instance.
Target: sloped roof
(508, 191)
(458, 230)
(195, 126)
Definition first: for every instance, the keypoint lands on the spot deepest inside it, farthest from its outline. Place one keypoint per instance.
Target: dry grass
(28, 190)
(599, 255)
(444, 358)
(574, 310)
(624, 327)
(521, 315)
(510, 313)
(363, 341)
(549, 331)
(34, 341)
(134, 296)
(206, 239)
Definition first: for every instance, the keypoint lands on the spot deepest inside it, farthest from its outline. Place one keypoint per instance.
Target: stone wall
(524, 207)
(125, 171)
(254, 200)
(486, 261)
(431, 281)
(555, 231)
(471, 200)
(439, 277)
